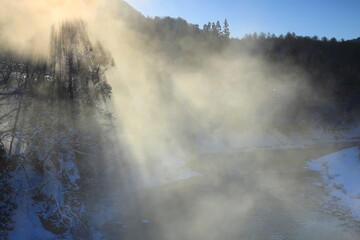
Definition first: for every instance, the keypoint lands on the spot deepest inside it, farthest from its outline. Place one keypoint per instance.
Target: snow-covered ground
(340, 172)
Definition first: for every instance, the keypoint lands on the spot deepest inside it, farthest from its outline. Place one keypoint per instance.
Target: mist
(190, 129)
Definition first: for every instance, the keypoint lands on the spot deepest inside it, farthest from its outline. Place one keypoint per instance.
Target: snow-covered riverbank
(340, 172)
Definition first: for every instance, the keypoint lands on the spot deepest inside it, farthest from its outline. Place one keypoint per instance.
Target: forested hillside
(333, 66)
(329, 67)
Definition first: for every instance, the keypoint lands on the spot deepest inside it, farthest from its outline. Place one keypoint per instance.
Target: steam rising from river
(164, 111)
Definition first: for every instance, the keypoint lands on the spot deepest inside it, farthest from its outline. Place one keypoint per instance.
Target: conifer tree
(213, 27)
(206, 28)
(209, 26)
(218, 28)
(226, 30)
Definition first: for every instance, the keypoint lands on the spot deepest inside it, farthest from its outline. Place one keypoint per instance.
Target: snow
(340, 172)
(27, 180)
(27, 223)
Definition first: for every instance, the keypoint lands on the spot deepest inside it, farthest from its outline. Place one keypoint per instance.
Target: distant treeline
(332, 67)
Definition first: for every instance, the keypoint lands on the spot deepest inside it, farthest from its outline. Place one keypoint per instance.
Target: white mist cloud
(162, 107)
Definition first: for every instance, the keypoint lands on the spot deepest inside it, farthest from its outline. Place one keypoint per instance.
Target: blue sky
(330, 18)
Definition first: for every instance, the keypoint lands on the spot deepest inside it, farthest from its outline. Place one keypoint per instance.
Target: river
(260, 195)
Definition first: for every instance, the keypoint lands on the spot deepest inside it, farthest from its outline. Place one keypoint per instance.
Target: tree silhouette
(218, 28)
(206, 28)
(226, 30)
